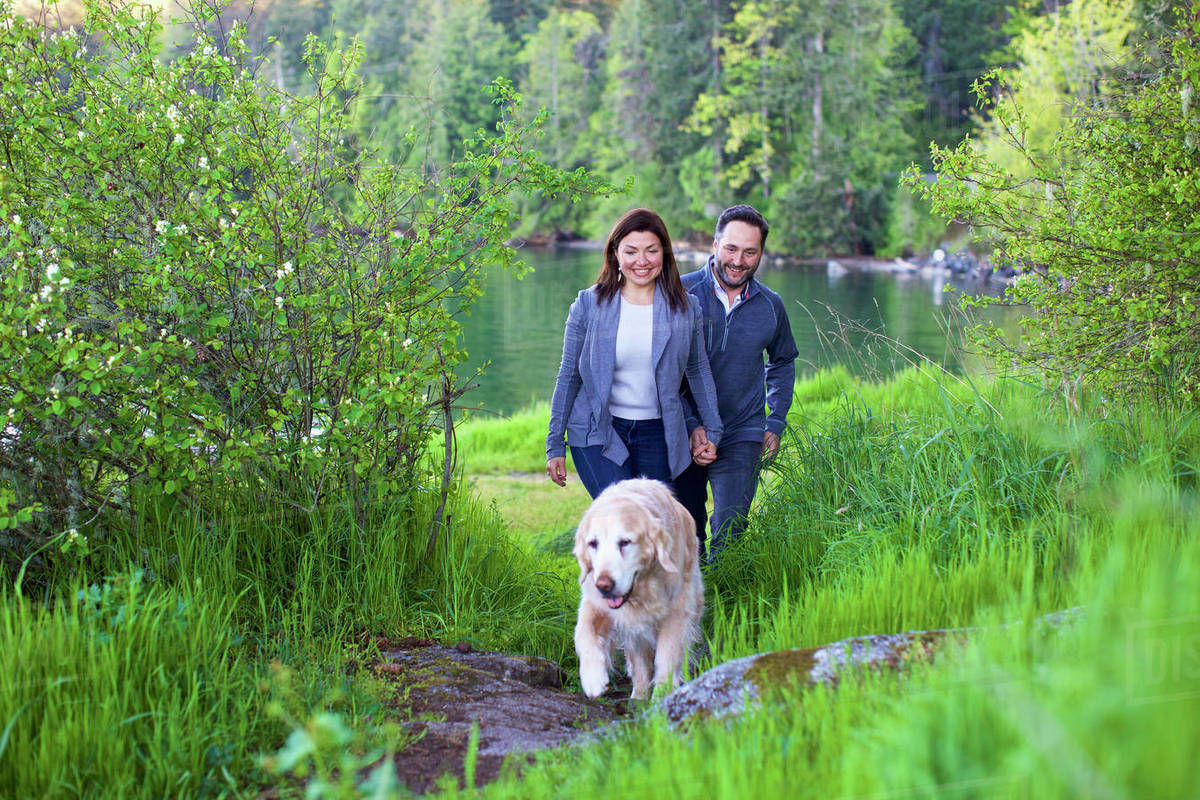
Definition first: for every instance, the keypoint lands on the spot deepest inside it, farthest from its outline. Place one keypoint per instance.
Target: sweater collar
(710, 275)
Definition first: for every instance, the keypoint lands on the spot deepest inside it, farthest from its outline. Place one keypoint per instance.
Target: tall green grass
(897, 511)
(1106, 707)
(900, 505)
(156, 679)
(126, 689)
(931, 505)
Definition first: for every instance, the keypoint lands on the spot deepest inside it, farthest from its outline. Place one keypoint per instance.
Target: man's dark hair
(746, 214)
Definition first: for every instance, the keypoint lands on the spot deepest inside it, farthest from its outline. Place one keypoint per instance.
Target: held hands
(704, 452)
(556, 468)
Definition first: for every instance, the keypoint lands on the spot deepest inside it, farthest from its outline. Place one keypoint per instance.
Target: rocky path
(517, 701)
(520, 706)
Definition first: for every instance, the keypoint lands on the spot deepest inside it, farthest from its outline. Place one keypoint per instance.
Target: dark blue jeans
(734, 479)
(647, 445)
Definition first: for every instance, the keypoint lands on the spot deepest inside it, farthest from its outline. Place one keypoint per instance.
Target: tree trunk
(818, 48)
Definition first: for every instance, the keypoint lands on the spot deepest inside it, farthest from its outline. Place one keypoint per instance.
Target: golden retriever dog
(641, 586)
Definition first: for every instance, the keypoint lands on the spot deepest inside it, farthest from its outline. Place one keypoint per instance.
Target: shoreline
(937, 265)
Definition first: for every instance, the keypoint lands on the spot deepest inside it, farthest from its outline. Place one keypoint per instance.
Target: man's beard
(723, 274)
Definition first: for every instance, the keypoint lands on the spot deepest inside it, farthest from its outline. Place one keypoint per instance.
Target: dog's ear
(662, 523)
(673, 532)
(661, 538)
(582, 555)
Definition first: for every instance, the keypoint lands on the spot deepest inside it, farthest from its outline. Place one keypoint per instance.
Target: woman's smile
(640, 258)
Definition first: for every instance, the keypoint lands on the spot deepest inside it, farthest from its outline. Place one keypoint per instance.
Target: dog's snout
(604, 583)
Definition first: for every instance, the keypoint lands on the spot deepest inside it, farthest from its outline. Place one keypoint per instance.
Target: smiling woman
(630, 340)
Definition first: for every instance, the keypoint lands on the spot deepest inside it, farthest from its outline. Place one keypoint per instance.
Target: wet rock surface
(517, 701)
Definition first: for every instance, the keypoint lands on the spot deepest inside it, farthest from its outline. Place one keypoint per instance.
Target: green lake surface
(872, 321)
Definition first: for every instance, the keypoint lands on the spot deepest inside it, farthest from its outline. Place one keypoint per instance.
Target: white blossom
(278, 301)
(178, 138)
(16, 219)
(203, 164)
(161, 226)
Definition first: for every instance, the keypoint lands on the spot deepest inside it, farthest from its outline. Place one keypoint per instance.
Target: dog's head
(633, 527)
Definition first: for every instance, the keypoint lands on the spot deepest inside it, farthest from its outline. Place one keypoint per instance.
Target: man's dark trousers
(734, 478)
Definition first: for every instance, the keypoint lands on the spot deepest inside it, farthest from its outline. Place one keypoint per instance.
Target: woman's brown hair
(641, 220)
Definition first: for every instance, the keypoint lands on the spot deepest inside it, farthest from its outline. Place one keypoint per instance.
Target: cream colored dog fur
(641, 586)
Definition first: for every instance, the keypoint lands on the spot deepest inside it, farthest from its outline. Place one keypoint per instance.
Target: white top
(633, 394)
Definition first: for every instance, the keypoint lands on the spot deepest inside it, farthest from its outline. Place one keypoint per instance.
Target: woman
(630, 340)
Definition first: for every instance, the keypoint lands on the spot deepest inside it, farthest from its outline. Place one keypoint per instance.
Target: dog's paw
(593, 679)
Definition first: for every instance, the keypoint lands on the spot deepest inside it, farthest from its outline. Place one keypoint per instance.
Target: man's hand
(770, 446)
(704, 452)
(556, 468)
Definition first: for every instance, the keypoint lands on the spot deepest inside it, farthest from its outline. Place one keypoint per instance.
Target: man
(743, 320)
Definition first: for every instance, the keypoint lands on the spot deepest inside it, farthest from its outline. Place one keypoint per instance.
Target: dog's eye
(621, 543)
(592, 544)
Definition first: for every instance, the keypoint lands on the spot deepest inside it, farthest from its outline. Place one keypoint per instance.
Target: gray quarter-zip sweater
(736, 343)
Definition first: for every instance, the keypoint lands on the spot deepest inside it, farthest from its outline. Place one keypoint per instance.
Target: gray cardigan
(579, 408)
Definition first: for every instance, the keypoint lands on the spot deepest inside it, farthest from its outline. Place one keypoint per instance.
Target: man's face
(737, 252)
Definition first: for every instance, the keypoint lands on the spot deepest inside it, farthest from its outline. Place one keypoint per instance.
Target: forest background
(807, 109)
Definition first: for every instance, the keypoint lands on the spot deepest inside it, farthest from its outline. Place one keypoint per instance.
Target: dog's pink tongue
(616, 602)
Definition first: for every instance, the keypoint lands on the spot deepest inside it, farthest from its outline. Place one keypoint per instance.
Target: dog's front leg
(668, 655)
(592, 631)
(639, 654)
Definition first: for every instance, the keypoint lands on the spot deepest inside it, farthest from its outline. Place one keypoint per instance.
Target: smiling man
(752, 354)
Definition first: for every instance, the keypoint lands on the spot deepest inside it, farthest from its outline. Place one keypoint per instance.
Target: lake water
(855, 319)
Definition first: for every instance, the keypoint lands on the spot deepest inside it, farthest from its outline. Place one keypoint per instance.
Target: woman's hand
(556, 468)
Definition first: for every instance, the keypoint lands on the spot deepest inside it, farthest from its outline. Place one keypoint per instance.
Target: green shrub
(207, 286)
(1101, 222)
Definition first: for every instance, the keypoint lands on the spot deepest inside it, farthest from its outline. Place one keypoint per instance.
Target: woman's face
(640, 257)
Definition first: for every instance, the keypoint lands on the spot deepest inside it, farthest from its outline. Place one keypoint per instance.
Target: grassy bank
(912, 504)
(189, 647)
(193, 646)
